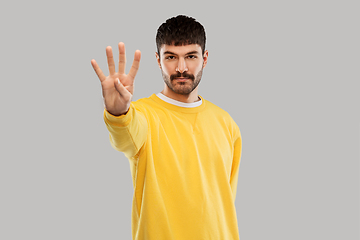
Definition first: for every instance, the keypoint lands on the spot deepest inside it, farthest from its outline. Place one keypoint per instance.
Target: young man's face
(182, 66)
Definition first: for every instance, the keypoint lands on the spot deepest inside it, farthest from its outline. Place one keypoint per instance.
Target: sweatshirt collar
(178, 103)
(171, 106)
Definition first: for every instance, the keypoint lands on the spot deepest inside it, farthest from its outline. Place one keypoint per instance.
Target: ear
(158, 59)
(205, 57)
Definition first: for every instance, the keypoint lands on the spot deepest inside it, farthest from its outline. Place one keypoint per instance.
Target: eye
(170, 57)
(191, 56)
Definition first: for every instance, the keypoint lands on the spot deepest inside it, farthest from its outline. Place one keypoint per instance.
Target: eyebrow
(189, 53)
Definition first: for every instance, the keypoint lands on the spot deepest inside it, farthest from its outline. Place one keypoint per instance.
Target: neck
(186, 98)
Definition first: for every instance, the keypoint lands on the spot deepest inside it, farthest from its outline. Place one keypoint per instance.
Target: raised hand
(118, 88)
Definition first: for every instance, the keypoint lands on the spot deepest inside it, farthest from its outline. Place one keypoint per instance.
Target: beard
(183, 88)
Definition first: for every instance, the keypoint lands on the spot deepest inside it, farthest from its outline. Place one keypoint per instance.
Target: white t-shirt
(178, 103)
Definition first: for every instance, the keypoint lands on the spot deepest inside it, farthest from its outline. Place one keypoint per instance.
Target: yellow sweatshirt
(184, 164)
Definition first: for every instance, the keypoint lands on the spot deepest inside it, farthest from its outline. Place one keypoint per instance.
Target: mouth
(181, 79)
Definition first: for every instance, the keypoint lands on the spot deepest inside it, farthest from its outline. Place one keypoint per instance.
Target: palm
(108, 84)
(117, 96)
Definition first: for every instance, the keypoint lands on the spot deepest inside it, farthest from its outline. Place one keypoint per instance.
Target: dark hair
(181, 30)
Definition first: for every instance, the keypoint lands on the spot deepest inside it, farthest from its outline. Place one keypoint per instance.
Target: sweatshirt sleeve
(127, 132)
(236, 162)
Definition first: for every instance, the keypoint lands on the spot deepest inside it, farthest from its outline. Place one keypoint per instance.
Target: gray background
(287, 72)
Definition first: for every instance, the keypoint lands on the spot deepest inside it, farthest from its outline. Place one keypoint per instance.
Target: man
(184, 151)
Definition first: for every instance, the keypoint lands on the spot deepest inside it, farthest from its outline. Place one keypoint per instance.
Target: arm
(236, 162)
(127, 127)
(127, 132)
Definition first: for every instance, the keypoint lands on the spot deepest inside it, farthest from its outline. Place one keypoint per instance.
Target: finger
(121, 89)
(110, 60)
(122, 58)
(98, 71)
(135, 66)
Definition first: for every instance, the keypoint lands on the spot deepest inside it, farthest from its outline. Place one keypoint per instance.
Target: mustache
(182, 75)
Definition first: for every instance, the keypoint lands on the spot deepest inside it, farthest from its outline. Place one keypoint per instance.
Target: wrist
(117, 114)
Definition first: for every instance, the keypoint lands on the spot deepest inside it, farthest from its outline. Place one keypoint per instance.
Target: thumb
(121, 89)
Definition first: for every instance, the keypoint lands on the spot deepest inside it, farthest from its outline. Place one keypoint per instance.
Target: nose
(181, 66)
